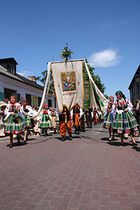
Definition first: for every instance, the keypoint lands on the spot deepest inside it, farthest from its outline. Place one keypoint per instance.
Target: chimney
(32, 78)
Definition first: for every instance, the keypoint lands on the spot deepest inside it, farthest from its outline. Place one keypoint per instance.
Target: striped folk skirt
(108, 119)
(27, 122)
(46, 122)
(13, 126)
(124, 122)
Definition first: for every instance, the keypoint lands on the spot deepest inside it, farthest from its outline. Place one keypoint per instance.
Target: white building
(12, 83)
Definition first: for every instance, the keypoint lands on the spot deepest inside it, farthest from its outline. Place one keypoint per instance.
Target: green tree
(66, 53)
(96, 78)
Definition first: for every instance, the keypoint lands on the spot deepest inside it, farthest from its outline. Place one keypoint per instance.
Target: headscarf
(121, 94)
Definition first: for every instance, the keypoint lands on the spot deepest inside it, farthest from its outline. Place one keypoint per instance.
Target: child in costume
(13, 122)
(124, 120)
(46, 120)
(109, 115)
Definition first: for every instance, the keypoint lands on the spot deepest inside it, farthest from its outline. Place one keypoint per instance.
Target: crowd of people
(19, 119)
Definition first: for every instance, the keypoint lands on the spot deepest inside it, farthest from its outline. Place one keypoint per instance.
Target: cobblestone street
(86, 173)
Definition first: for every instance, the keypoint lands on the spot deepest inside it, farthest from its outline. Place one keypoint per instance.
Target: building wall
(134, 92)
(22, 89)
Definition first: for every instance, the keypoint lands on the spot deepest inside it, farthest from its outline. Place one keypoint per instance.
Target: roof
(136, 73)
(19, 78)
(4, 60)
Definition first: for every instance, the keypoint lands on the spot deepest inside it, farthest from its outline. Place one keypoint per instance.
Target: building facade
(12, 83)
(134, 87)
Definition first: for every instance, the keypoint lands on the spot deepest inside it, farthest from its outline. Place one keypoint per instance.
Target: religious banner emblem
(68, 83)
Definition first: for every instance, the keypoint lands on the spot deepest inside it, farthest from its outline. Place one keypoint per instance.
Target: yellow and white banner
(68, 83)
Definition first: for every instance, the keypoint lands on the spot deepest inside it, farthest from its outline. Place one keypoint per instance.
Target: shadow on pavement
(16, 144)
(136, 148)
(119, 144)
(31, 139)
(67, 138)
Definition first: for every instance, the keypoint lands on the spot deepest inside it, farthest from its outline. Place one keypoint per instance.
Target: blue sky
(106, 32)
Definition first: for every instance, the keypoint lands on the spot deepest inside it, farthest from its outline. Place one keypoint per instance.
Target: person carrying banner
(13, 122)
(76, 114)
(65, 123)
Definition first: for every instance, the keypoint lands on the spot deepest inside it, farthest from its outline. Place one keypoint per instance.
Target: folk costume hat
(12, 97)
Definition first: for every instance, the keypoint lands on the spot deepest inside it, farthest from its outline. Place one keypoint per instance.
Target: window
(28, 98)
(49, 103)
(39, 101)
(9, 92)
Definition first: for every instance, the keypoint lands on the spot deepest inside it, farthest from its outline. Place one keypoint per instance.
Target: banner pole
(45, 89)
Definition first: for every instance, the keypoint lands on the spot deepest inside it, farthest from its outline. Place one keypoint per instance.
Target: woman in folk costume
(54, 119)
(27, 113)
(13, 120)
(109, 115)
(46, 120)
(65, 123)
(37, 121)
(124, 120)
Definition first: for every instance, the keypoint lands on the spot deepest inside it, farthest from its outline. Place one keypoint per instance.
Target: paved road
(86, 173)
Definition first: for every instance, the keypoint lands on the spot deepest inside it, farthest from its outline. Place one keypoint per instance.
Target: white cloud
(24, 73)
(105, 58)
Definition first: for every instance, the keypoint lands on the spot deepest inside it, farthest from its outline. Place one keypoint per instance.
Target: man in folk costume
(89, 117)
(82, 120)
(46, 120)
(76, 118)
(65, 123)
(124, 120)
(27, 113)
(13, 122)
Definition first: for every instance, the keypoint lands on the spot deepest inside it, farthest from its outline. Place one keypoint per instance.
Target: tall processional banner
(68, 83)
